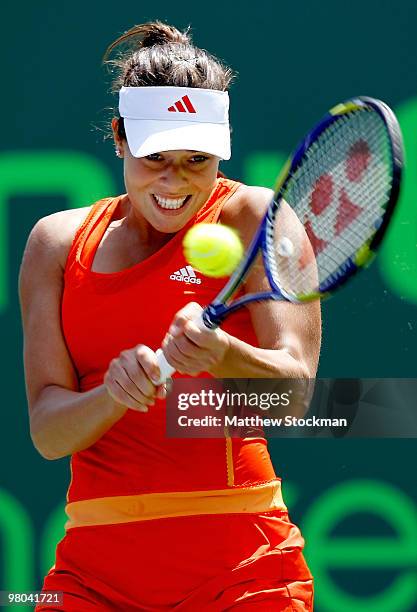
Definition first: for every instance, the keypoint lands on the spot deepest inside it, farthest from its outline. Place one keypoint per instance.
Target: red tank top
(103, 314)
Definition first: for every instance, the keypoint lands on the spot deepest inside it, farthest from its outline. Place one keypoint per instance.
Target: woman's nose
(174, 174)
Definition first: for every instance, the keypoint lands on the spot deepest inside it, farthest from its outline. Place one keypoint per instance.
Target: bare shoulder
(52, 236)
(245, 209)
(249, 199)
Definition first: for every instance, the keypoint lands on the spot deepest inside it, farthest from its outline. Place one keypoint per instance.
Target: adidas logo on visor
(186, 275)
(182, 106)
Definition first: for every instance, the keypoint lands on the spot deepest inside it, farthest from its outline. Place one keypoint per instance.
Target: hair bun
(158, 33)
(149, 35)
(156, 54)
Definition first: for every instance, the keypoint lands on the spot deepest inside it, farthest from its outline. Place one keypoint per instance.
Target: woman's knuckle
(125, 358)
(182, 318)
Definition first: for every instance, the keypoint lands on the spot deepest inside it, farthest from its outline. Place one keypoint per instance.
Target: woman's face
(169, 188)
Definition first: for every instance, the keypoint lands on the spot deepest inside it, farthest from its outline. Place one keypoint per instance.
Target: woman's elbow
(302, 364)
(43, 445)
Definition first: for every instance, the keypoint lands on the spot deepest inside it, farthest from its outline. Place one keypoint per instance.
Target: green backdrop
(355, 499)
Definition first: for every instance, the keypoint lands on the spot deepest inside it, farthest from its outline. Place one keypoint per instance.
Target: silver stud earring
(118, 152)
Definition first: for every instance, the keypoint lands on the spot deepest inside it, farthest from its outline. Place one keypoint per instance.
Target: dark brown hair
(156, 54)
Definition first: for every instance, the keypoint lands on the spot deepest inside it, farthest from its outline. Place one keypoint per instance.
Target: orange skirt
(243, 562)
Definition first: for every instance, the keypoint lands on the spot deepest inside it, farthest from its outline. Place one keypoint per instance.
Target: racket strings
(339, 193)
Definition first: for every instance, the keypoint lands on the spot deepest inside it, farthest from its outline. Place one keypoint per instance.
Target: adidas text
(186, 279)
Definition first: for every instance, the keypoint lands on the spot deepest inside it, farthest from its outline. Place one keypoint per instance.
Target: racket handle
(167, 370)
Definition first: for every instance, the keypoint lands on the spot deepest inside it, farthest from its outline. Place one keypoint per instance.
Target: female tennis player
(157, 523)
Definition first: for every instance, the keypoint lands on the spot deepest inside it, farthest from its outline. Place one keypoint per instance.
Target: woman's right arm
(62, 420)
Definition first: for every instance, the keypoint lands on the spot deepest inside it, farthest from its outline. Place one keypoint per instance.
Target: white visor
(175, 118)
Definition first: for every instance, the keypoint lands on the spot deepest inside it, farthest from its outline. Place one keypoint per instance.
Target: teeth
(170, 203)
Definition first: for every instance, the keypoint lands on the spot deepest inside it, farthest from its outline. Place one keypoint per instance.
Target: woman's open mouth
(170, 204)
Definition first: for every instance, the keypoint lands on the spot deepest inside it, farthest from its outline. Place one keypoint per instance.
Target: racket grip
(167, 370)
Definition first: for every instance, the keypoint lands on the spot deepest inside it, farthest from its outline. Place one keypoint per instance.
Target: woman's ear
(118, 141)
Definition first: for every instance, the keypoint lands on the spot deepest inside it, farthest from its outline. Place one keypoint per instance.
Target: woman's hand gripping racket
(342, 182)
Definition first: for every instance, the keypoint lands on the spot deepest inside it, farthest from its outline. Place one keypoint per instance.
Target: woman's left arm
(289, 335)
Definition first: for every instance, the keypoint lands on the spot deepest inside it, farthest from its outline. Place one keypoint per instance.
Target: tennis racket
(342, 182)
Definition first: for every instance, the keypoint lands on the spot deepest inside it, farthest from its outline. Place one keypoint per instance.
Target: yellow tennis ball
(213, 249)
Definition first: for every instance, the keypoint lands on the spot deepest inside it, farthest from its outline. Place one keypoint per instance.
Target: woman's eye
(154, 157)
(198, 159)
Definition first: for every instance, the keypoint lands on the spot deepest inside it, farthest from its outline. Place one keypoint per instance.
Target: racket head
(342, 182)
(332, 204)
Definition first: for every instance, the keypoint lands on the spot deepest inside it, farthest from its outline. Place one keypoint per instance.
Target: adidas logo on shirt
(186, 275)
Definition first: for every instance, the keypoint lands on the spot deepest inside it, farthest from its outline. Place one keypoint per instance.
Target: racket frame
(215, 312)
